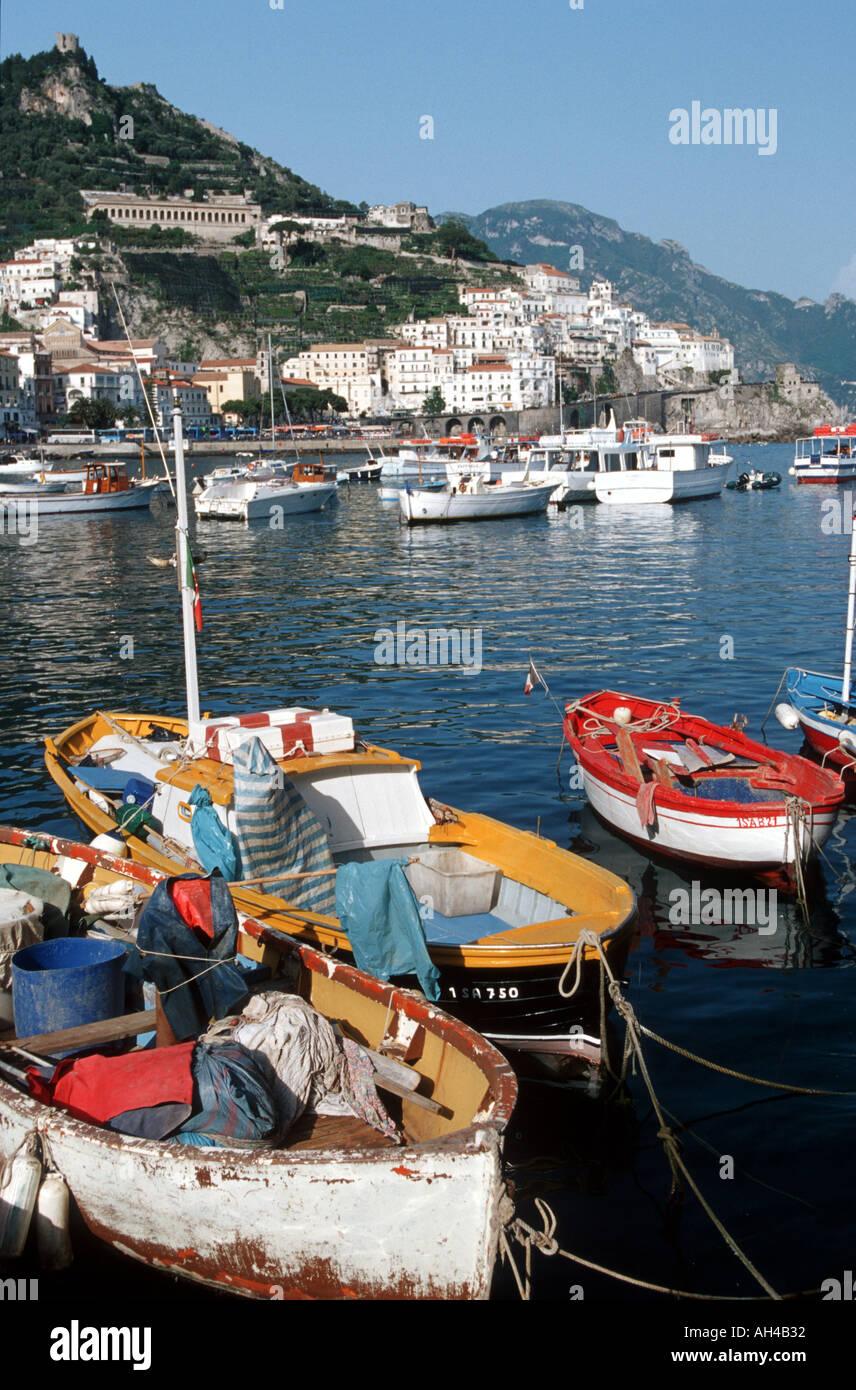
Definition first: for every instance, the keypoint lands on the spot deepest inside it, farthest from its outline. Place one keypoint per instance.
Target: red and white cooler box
(285, 733)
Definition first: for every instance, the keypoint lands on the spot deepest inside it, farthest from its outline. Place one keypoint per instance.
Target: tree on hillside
(433, 403)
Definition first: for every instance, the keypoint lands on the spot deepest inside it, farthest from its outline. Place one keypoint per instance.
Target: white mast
(270, 378)
(851, 620)
(182, 551)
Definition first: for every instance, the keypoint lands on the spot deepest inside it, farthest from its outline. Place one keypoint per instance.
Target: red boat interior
(689, 756)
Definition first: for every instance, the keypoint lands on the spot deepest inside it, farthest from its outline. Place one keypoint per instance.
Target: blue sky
(531, 99)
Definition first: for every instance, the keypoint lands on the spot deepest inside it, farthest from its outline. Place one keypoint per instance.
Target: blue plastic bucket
(66, 982)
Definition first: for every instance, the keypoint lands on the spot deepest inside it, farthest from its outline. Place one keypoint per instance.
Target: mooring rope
(545, 1240)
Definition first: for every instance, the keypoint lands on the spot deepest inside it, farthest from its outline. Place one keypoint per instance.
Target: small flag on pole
(533, 679)
(191, 582)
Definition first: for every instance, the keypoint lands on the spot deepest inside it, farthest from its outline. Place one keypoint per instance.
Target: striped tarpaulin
(278, 833)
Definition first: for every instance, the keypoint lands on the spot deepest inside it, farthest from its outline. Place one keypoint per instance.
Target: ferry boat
(827, 456)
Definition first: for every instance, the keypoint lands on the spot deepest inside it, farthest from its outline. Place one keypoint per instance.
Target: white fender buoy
(112, 844)
(17, 1200)
(622, 715)
(787, 716)
(52, 1234)
(847, 741)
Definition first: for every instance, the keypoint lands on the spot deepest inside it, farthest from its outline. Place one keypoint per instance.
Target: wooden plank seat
(334, 1132)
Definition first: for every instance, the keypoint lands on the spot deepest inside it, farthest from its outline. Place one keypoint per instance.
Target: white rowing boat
(473, 500)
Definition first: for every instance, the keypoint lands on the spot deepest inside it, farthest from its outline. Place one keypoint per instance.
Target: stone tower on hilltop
(66, 43)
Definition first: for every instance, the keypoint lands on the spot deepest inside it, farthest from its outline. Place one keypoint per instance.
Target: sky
(566, 99)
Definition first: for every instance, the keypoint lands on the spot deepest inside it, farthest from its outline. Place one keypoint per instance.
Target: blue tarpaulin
(376, 907)
(211, 839)
(169, 954)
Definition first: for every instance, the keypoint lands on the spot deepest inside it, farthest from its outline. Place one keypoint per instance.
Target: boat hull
(648, 485)
(419, 506)
(64, 503)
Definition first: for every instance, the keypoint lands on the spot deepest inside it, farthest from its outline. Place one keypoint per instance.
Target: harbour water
(707, 602)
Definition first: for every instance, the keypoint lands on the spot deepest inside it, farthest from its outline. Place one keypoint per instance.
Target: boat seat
(334, 1132)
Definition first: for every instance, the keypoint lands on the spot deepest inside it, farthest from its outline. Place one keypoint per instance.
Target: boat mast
(851, 620)
(270, 380)
(184, 568)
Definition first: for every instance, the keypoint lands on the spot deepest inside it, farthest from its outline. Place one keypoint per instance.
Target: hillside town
(512, 346)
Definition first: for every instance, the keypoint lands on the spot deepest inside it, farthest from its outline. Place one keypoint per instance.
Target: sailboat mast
(270, 380)
(851, 619)
(183, 568)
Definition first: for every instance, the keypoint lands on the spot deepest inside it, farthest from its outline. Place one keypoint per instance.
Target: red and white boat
(827, 456)
(678, 784)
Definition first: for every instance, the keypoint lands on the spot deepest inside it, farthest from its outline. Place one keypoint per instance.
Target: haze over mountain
(663, 280)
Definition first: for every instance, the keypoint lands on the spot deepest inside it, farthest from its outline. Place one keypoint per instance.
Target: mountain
(65, 129)
(661, 279)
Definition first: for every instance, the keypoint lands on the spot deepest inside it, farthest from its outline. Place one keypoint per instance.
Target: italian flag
(191, 582)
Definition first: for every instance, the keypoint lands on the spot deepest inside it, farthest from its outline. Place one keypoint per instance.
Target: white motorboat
(473, 499)
(630, 464)
(264, 489)
(422, 459)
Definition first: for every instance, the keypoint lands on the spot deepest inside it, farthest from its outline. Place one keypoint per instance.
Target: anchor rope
(545, 1240)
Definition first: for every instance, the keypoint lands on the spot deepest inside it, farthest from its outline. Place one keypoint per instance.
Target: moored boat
(338, 1209)
(827, 456)
(681, 785)
(473, 499)
(106, 488)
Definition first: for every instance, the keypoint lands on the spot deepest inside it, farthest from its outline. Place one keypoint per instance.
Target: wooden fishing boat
(106, 488)
(340, 1211)
(503, 910)
(500, 959)
(695, 790)
(473, 499)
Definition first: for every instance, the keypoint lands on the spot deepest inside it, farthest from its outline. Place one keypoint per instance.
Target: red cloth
(96, 1088)
(192, 898)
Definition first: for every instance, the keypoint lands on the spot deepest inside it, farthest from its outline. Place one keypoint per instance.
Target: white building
(28, 283)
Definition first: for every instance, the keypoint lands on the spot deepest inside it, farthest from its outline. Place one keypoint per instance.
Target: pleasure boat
(106, 488)
(264, 488)
(428, 459)
(827, 456)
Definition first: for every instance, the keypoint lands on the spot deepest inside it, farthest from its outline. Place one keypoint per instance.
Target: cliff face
(754, 414)
(67, 95)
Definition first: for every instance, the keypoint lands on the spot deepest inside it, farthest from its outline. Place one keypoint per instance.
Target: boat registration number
(755, 822)
(484, 992)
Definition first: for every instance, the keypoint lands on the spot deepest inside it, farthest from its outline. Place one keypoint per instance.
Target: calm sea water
(708, 601)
